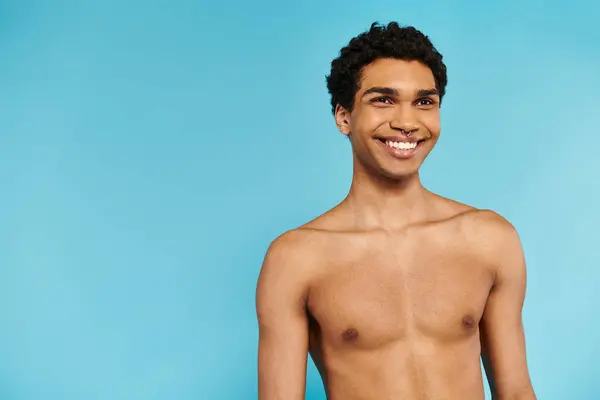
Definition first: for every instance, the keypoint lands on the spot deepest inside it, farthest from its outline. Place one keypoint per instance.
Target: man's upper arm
(283, 323)
(502, 335)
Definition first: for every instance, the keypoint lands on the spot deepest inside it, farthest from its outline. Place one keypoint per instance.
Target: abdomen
(420, 369)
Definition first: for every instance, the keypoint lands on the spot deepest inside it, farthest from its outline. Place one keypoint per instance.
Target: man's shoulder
(483, 230)
(486, 224)
(301, 250)
(473, 219)
(293, 252)
(292, 243)
(490, 236)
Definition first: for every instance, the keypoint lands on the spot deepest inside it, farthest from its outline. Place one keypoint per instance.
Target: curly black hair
(381, 41)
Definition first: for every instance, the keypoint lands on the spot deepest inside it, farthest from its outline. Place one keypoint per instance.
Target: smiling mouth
(401, 145)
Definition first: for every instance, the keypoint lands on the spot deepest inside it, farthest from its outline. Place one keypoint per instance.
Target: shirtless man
(396, 292)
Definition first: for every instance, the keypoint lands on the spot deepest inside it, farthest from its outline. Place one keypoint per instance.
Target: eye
(425, 102)
(383, 100)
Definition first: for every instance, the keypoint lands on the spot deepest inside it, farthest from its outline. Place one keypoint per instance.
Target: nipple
(350, 335)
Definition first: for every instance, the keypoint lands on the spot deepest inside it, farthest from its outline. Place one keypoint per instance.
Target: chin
(400, 176)
(399, 169)
(389, 169)
(397, 174)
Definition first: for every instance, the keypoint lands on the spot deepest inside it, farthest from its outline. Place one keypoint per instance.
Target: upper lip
(400, 138)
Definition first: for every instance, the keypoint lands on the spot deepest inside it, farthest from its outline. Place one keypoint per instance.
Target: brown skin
(396, 292)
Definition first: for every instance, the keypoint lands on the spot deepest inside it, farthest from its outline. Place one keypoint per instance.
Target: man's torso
(395, 314)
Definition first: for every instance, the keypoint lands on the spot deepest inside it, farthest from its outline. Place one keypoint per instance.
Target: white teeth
(401, 145)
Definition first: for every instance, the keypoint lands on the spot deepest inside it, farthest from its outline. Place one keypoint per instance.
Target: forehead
(400, 74)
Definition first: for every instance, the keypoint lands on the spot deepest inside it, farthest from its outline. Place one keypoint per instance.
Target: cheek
(368, 121)
(432, 123)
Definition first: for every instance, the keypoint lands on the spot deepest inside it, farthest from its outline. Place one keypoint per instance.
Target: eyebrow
(427, 92)
(394, 92)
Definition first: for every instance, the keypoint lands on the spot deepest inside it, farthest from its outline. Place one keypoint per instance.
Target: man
(396, 292)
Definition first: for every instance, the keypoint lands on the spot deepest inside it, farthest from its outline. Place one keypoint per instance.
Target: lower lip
(397, 153)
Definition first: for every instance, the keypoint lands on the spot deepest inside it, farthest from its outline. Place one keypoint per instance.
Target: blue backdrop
(150, 151)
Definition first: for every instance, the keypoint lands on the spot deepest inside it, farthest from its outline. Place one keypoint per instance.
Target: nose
(405, 121)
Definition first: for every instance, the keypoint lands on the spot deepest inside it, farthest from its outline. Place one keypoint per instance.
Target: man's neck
(380, 203)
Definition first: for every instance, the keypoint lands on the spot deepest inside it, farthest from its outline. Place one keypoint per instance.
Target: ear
(342, 120)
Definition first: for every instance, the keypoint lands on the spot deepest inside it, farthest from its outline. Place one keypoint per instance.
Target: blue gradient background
(152, 150)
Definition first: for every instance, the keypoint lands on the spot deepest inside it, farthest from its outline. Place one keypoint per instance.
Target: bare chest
(371, 296)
